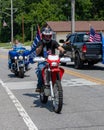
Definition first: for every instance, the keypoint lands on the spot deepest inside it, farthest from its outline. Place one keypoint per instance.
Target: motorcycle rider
(15, 46)
(45, 46)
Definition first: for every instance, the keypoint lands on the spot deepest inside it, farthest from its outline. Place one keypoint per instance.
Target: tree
(45, 11)
(83, 9)
(97, 9)
(40, 11)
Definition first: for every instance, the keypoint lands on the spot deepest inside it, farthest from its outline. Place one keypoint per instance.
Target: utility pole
(31, 32)
(11, 21)
(72, 16)
(23, 29)
(1, 20)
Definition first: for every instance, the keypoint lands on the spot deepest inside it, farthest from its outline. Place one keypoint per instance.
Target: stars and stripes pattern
(94, 37)
(34, 44)
(4, 24)
(37, 38)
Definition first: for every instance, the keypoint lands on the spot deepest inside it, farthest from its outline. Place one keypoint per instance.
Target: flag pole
(11, 21)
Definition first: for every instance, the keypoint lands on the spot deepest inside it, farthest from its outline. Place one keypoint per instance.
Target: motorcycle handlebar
(65, 59)
(42, 59)
(39, 59)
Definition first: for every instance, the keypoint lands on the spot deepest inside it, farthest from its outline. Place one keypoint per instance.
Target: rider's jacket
(50, 47)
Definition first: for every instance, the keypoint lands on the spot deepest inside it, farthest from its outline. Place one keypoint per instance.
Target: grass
(8, 45)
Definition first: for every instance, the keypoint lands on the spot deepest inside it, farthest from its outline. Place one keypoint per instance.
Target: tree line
(29, 13)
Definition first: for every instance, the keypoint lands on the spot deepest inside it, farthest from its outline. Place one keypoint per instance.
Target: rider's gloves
(62, 54)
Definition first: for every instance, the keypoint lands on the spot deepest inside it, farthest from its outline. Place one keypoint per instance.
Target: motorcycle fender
(19, 65)
(43, 73)
(55, 71)
(61, 72)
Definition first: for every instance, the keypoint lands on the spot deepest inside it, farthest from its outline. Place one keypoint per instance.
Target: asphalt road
(83, 107)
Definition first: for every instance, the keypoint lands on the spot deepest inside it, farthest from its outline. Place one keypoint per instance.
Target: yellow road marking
(96, 80)
(77, 74)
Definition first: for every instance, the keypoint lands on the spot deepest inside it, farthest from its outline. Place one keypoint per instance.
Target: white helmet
(85, 38)
(46, 35)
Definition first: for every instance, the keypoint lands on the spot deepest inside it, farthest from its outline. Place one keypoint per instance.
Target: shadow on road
(86, 67)
(14, 76)
(38, 103)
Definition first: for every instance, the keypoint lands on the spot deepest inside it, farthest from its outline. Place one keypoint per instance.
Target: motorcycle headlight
(54, 64)
(15, 57)
(20, 57)
(25, 57)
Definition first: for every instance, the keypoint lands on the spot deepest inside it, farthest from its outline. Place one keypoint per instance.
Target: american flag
(34, 44)
(37, 38)
(102, 49)
(94, 37)
(4, 24)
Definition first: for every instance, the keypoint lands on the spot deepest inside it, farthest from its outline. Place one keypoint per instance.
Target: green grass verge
(8, 45)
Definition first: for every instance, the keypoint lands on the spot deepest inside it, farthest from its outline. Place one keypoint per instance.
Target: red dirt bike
(52, 75)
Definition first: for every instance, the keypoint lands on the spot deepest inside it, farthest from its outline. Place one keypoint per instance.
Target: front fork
(51, 84)
(20, 64)
(51, 88)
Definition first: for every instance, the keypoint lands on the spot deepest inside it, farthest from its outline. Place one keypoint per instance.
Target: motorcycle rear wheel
(58, 97)
(16, 73)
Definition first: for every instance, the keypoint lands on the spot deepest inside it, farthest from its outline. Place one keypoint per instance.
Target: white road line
(19, 107)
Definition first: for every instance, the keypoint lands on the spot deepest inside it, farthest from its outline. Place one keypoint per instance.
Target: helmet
(85, 38)
(46, 35)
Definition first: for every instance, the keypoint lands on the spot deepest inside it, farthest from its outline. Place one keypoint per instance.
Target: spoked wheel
(78, 64)
(16, 73)
(43, 98)
(58, 97)
(90, 64)
(21, 72)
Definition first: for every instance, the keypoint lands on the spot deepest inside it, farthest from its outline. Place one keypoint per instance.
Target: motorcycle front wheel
(58, 97)
(21, 72)
(43, 97)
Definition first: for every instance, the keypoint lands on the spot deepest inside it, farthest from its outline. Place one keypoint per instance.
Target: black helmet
(46, 35)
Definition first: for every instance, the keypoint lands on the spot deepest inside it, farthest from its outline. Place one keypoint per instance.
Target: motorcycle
(52, 75)
(18, 61)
